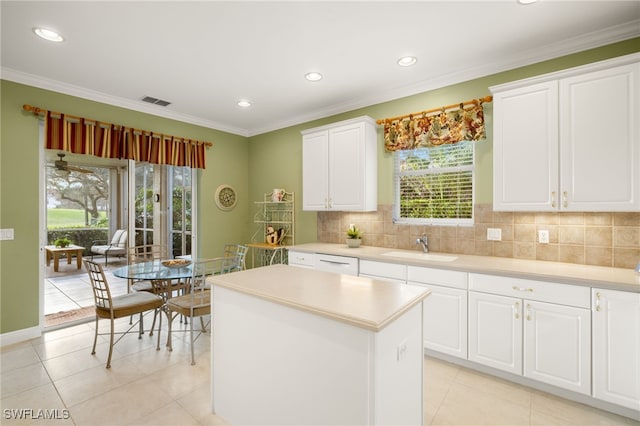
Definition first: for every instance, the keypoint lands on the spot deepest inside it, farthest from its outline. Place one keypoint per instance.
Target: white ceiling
(203, 56)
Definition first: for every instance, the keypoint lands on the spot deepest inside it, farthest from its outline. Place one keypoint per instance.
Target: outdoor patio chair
(117, 246)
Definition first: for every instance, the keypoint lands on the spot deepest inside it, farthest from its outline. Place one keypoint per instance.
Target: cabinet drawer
(340, 264)
(300, 258)
(455, 279)
(563, 294)
(383, 269)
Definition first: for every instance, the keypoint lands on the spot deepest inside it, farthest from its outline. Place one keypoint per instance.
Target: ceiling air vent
(155, 101)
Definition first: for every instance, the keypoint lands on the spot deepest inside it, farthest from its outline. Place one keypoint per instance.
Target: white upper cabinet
(339, 166)
(525, 148)
(569, 141)
(600, 147)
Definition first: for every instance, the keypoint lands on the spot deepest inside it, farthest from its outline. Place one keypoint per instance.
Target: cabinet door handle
(330, 203)
(598, 301)
(564, 199)
(553, 199)
(516, 310)
(528, 312)
(515, 287)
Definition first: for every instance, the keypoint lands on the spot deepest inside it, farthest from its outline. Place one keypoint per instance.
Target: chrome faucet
(425, 243)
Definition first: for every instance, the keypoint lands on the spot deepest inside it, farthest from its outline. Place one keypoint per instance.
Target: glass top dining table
(152, 270)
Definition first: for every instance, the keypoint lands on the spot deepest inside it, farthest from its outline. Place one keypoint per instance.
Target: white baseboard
(18, 336)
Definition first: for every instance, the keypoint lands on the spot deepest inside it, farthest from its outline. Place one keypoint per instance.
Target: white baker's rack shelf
(279, 215)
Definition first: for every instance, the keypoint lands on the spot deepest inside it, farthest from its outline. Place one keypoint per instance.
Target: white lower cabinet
(393, 272)
(616, 347)
(445, 310)
(495, 331)
(569, 336)
(445, 320)
(301, 259)
(545, 336)
(557, 345)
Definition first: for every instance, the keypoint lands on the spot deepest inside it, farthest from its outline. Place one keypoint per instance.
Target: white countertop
(568, 273)
(361, 302)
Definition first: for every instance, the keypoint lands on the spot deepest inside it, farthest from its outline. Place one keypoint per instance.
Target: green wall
(276, 156)
(252, 165)
(227, 162)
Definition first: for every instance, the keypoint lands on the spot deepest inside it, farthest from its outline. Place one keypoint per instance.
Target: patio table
(53, 252)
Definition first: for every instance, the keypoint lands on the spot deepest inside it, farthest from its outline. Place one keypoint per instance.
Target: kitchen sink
(421, 256)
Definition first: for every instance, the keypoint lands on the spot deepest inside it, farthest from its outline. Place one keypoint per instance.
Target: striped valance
(91, 137)
(465, 122)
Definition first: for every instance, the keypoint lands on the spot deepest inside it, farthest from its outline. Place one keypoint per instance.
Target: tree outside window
(435, 185)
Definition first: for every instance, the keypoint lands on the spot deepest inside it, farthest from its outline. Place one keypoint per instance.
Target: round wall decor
(226, 197)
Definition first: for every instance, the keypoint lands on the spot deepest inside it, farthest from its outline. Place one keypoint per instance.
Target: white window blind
(435, 185)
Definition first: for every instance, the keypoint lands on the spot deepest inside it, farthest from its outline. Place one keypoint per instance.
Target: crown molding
(522, 58)
(92, 95)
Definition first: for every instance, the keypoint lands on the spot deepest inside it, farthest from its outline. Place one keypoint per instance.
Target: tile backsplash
(603, 239)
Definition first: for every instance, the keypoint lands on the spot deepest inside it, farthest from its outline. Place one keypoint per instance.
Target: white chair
(239, 252)
(117, 246)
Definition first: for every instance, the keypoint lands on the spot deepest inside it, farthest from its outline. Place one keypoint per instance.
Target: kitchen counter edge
(565, 273)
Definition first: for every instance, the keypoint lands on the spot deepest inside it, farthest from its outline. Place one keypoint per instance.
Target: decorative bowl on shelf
(176, 263)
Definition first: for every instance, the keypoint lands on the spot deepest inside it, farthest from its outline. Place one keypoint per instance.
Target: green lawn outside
(67, 218)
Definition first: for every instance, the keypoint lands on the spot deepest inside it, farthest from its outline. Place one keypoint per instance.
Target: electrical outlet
(6, 234)
(543, 236)
(402, 350)
(494, 234)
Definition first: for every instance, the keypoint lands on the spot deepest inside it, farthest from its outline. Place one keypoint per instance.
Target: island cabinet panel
(279, 361)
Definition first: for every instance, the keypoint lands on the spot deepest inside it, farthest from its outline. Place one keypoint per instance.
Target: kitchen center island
(295, 346)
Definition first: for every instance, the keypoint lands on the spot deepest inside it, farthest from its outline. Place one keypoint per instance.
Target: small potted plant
(354, 236)
(62, 242)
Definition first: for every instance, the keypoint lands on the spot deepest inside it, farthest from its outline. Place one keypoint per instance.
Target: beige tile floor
(149, 387)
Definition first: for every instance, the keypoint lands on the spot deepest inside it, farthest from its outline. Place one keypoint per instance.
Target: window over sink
(435, 186)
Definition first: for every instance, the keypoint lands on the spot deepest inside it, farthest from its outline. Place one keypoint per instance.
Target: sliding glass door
(162, 200)
(180, 210)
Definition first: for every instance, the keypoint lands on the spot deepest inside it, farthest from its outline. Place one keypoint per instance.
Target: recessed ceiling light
(48, 34)
(527, 1)
(313, 76)
(407, 61)
(243, 103)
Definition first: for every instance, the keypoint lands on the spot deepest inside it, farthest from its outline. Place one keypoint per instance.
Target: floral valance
(85, 136)
(433, 128)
